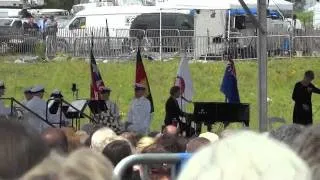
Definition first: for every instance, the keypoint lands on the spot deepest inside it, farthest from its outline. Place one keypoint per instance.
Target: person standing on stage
(139, 116)
(111, 117)
(302, 113)
(173, 111)
(4, 111)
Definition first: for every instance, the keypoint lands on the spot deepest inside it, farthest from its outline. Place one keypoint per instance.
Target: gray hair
(246, 155)
(86, 164)
(49, 168)
(287, 133)
(307, 145)
(101, 138)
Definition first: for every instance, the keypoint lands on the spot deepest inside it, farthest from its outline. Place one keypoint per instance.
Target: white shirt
(4, 111)
(37, 105)
(139, 115)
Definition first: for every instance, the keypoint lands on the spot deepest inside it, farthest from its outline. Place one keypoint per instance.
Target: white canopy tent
(194, 4)
(273, 4)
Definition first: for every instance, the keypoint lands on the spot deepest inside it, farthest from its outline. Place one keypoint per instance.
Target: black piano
(208, 113)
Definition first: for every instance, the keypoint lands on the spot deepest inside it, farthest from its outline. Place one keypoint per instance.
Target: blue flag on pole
(229, 86)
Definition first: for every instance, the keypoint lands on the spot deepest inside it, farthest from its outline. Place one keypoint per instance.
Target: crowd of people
(290, 152)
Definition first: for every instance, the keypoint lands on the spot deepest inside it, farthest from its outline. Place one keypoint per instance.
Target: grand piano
(208, 113)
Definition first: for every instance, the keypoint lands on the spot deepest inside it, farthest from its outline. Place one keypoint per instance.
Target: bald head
(170, 130)
(196, 143)
(56, 139)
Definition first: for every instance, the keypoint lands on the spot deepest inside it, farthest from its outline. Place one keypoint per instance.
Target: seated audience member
(103, 137)
(170, 130)
(245, 155)
(212, 137)
(118, 150)
(55, 139)
(86, 164)
(287, 133)
(48, 169)
(20, 149)
(182, 143)
(169, 143)
(155, 171)
(144, 142)
(131, 137)
(196, 144)
(307, 145)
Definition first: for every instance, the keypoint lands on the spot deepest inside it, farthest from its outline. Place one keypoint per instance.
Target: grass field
(282, 75)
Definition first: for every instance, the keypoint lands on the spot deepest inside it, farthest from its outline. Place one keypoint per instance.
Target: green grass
(282, 75)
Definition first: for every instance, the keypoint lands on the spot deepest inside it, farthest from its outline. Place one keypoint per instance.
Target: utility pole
(263, 65)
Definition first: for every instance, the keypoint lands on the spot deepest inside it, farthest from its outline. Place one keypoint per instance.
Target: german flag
(141, 78)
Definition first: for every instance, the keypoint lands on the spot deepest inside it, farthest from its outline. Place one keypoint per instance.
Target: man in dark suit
(173, 111)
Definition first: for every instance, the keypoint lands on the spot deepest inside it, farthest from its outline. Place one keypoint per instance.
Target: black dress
(301, 95)
(173, 111)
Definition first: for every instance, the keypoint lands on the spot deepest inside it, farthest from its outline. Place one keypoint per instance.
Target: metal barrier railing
(145, 159)
(13, 100)
(122, 43)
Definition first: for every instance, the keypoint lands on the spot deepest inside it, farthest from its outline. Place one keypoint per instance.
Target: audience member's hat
(2, 85)
(212, 137)
(105, 90)
(139, 87)
(27, 90)
(37, 89)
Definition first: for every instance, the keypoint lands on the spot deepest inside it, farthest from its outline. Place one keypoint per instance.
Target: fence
(123, 43)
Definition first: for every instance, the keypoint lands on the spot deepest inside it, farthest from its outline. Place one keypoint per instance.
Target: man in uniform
(4, 111)
(27, 95)
(38, 106)
(112, 106)
(139, 116)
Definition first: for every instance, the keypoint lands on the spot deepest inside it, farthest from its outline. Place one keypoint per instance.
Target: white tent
(316, 15)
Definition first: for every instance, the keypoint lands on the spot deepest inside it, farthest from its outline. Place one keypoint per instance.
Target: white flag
(184, 81)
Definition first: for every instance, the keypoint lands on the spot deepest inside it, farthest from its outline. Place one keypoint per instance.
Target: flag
(229, 86)
(141, 78)
(96, 81)
(184, 81)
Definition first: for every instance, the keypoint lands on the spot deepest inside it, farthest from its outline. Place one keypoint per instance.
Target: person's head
(2, 88)
(144, 142)
(212, 137)
(287, 133)
(27, 93)
(157, 171)
(117, 150)
(56, 139)
(20, 150)
(103, 137)
(245, 155)
(309, 76)
(170, 143)
(48, 169)
(196, 144)
(175, 91)
(139, 90)
(38, 91)
(131, 137)
(86, 164)
(104, 93)
(170, 130)
(56, 94)
(307, 145)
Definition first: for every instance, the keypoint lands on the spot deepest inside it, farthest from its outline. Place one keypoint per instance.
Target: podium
(208, 113)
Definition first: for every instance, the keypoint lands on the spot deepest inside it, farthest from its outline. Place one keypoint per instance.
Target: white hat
(37, 89)
(56, 92)
(139, 86)
(2, 85)
(27, 90)
(212, 137)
